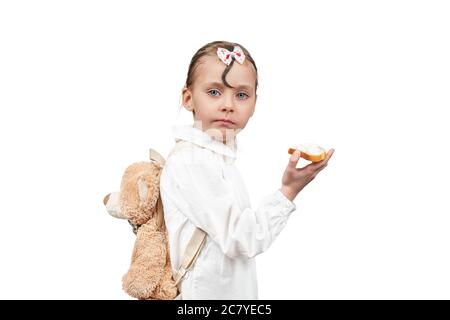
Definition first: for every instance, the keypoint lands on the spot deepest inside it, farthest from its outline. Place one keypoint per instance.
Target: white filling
(310, 148)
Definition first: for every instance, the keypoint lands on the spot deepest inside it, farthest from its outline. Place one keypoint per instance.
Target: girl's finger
(294, 159)
(329, 154)
(314, 166)
(324, 162)
(320, 169)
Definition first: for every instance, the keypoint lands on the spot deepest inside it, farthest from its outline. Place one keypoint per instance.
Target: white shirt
(201, 187)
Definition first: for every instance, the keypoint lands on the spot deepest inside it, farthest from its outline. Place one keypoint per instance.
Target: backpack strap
(196, 242)
(190, 253)
(157, 157)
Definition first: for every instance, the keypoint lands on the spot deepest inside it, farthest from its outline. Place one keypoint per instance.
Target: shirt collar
(201, 138)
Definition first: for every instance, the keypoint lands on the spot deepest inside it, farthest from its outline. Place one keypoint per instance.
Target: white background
(86, 87)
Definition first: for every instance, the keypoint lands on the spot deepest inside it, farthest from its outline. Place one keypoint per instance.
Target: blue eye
(243, 94)
(212, 91)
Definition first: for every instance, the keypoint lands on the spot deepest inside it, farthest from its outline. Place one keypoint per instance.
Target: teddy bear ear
(157, 157)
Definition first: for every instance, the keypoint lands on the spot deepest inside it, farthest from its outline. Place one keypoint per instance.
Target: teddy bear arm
(148, 263)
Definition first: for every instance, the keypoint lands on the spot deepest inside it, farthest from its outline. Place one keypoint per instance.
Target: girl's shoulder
(181, 144)
(186, 151)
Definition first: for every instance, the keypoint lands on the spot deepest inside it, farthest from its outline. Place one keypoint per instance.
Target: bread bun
(310, 152)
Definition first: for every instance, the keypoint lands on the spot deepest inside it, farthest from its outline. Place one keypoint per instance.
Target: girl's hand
(295, 179)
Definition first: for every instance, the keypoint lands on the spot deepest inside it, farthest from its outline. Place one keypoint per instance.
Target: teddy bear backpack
(150, 275)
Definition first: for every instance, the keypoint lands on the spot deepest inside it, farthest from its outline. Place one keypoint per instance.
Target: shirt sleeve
(207, 199)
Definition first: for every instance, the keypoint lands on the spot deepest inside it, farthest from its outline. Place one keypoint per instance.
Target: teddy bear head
(139, 198)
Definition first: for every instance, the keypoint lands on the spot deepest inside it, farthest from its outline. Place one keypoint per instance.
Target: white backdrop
(86, 87)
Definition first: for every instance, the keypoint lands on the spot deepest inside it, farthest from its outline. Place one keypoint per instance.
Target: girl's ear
(186, 99)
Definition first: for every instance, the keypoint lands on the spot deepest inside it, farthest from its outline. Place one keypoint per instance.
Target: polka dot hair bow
(226, 55)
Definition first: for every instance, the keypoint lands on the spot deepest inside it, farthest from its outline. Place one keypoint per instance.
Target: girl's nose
(227, 108)
(228, 104)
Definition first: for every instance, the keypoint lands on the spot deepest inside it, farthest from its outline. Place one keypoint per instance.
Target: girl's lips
(224, 123)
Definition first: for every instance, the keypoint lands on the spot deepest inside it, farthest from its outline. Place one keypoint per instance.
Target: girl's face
(212, 100)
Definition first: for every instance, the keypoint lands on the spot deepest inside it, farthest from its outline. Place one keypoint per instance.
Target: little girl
(202, 188)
